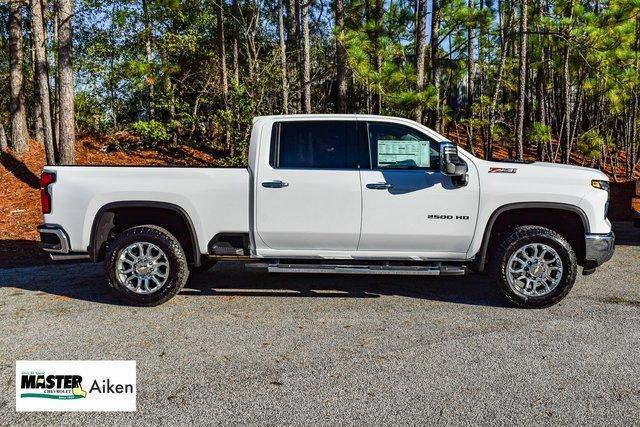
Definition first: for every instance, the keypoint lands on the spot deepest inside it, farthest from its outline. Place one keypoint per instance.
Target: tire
(524, 291)
(206, 264)
(163, 278)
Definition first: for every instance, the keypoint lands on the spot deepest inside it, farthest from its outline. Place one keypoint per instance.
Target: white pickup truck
(334, 194)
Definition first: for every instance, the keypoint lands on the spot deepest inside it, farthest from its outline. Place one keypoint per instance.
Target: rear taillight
(45, 197)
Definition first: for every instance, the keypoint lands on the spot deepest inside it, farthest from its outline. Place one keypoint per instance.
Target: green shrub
(538, 133)
(89, 114)
(590, 145)
(151, 133)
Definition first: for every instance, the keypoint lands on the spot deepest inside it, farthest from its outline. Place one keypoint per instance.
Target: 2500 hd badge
(435, 216)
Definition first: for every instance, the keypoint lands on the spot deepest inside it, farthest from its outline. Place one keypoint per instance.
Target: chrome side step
(422, 270)
(68, 257)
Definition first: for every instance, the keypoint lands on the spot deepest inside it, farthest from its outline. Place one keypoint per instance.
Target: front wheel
(146, 266)
(534, 267)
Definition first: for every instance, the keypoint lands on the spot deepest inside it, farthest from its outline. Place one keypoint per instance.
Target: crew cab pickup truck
(350, 194)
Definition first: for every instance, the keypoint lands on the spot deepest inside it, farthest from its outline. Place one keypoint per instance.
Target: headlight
(600, 184)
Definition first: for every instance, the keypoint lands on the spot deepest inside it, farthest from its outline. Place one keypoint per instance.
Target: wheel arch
(537, 208)
(103, 224)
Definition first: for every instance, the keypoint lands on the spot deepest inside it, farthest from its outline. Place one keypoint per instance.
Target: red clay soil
(20, 201)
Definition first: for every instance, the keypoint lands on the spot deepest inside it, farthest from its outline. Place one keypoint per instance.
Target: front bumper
(598, 249)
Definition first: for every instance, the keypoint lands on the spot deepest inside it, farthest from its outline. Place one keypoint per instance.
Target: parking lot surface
(239, 347)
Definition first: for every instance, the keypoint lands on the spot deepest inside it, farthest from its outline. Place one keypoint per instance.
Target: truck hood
(511, 182)
(547, 170)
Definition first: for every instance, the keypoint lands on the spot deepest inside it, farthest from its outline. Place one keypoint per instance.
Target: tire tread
(499, 257)
(178, 280)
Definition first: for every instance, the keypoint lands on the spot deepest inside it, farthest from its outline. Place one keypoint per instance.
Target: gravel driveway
(240, 347)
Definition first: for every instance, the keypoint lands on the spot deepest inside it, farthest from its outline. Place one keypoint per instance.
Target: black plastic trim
(481, 256)
(93, 250)
(219, 236)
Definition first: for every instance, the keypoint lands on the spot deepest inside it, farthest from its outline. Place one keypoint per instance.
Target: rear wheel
(534, 267)
(146, 266)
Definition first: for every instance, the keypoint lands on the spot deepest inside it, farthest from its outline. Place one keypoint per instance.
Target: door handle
(379, 186)
(275, 184)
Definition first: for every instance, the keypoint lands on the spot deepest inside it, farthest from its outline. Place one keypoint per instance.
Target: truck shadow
(626, 233)
(227, 279)
(85, 282)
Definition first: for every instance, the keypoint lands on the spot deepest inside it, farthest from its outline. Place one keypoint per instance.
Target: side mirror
(452, 165)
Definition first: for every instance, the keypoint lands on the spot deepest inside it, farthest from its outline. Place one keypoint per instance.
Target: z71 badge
(503, 170)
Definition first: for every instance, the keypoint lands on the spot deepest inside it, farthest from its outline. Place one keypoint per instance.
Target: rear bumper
(598, 249)
(53, 239)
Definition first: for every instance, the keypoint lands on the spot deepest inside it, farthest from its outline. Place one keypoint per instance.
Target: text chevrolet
(334, 194)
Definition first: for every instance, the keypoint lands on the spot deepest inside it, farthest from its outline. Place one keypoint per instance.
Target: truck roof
(328, 116)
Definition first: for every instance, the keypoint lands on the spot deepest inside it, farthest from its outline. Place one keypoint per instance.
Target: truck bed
(216, 199)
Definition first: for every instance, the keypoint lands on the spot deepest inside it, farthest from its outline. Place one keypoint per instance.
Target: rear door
(408, 204)
(309, 196)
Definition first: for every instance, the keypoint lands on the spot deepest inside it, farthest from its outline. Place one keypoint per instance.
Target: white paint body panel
(327, 213)
(323, 209)
(215, 199)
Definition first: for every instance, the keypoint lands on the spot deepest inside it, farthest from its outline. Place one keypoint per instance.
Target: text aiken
(107, 388)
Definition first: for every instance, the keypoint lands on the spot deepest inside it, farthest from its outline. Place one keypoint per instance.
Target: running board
(422, 270)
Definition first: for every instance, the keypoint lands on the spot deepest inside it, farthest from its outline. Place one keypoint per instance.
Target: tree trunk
(19, 133)
(38, 126)
(65, 65)
(341, 60)
(566, 99)
(234, 43)
(565, 139)
(283, 59)
(421, 49)
(522, 80)
(56, 103)
(223, 71)
(377, 105)
(488, 154)
(367, 21)
(148, 48)
(37, 109)
(436, 15)
(293, 43)
(305, 70)
(540, 110)
(3, 139)
(469, 64)
(42, 78)
(223, 55)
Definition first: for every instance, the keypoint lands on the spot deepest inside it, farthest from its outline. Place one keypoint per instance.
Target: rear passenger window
(314, 145)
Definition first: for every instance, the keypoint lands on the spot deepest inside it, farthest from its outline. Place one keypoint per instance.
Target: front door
(409, 206)
(308, 197)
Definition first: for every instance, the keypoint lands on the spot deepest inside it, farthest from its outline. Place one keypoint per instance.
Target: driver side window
(396, 146)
